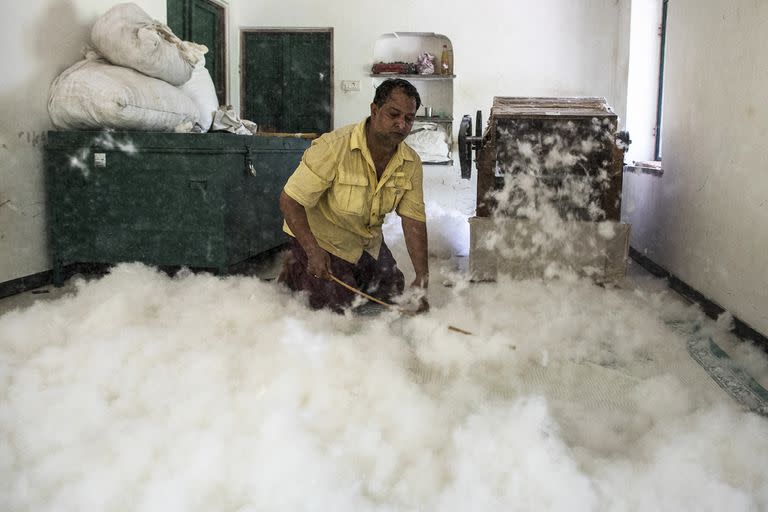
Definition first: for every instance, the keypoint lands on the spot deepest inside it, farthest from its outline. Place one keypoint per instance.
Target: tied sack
(93, 94)
(128, 36)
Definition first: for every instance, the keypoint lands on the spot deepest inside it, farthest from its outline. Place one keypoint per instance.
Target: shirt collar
(357, 141)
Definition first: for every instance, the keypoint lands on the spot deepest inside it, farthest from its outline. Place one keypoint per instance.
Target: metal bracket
(249, 168)
(467, 142)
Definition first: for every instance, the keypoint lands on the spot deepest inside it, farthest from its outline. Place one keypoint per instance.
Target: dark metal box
(200, 200)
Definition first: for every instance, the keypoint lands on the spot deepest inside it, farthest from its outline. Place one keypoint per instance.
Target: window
(660, 97)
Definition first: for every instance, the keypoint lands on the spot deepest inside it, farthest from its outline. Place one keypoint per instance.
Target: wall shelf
(431, 137)
(415, 76)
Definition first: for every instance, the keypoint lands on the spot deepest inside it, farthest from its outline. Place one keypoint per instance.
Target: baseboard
(23, 284)
(27, 283)
(712, 309)
(647, 263)
(45, 278)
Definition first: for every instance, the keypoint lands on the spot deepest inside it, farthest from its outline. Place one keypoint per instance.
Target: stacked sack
(141, 77)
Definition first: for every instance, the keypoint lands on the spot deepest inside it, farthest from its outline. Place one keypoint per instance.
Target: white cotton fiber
(143, 392)
(725, 320)
(448, 232)
(510, 456)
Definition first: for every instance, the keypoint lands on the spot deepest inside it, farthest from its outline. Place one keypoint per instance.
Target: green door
(287, 80)
(202, 22)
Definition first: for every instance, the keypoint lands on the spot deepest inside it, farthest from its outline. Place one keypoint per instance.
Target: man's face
(391, 123)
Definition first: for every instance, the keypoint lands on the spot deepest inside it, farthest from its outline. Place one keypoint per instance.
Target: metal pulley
(467, 142)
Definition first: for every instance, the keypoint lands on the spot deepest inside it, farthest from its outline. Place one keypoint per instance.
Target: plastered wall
(706, 219)
(39, 40)
(512, 47)
(501, 48)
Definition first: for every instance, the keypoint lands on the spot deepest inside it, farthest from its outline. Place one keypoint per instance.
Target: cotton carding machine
(543, 157)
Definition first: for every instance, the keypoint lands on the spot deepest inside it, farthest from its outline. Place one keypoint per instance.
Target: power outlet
(350, 85)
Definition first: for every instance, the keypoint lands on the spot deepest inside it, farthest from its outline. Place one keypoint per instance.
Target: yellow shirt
(345, 202)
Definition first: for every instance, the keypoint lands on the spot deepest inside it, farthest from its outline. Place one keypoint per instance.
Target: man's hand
(319, 263)
(416, 296)
(423, 305)
(318, 260)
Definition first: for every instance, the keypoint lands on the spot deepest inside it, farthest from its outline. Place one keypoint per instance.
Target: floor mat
(727, 374)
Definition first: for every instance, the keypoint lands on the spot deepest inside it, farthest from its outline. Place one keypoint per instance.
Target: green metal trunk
(199, 200)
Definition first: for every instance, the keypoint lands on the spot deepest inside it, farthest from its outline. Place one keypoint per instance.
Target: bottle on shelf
(446, 61)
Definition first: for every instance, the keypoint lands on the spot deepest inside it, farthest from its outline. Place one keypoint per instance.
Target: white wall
(706, 220)
(39, 38)
(513, 47)
(501, 47)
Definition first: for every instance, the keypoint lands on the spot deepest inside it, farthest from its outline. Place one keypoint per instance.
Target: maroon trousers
(379, 278)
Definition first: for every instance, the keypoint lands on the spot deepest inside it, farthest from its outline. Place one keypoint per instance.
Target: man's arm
(319, 262)
(415, 233)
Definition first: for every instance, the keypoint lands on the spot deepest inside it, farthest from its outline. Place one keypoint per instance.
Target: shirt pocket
(393, 191)
(350, 192)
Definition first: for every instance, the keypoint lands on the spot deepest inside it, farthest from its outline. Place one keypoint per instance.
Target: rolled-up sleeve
(314, 174)
(412, 203)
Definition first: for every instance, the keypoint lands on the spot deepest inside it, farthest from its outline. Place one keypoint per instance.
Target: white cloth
(227, 120)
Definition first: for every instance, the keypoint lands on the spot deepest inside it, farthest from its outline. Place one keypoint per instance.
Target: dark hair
(384, 90)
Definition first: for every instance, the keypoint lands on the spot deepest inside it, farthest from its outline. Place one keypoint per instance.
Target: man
(335, 202)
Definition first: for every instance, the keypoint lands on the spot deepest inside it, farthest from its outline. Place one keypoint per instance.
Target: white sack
(429, 140)
(93, 94)
(128, 36)
(202, 92)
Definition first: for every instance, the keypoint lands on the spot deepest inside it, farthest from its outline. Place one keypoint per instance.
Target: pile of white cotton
(142, 392)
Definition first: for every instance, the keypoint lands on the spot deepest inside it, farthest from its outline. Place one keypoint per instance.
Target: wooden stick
(462, 331)
(360, 292)
(391, 306)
